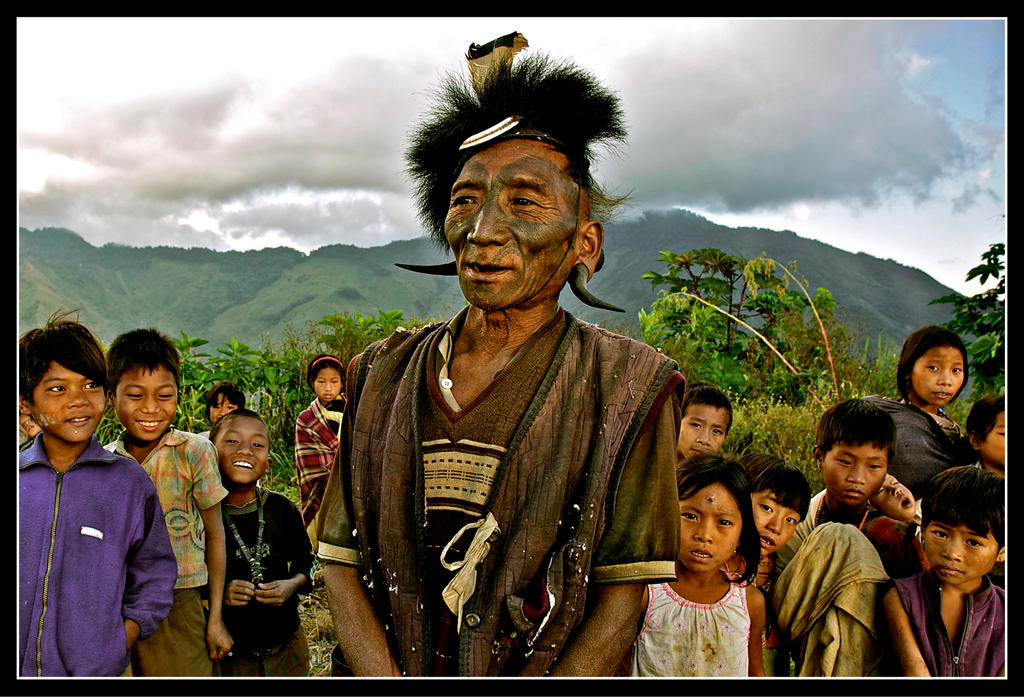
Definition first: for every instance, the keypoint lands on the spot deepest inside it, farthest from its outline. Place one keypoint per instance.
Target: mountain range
(254, 295)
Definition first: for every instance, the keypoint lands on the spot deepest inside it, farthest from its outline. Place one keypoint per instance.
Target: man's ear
(589, 243)
(819, 456)
(1001, 556)
(110, 398)
(975, 441)
(23, 406)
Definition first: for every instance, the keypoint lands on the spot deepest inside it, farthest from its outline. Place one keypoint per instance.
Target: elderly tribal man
(505, 483)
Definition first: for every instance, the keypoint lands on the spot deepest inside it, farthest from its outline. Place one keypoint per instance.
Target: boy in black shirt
(269, 557)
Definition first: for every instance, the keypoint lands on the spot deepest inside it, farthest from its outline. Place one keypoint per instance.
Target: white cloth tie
(461, 587)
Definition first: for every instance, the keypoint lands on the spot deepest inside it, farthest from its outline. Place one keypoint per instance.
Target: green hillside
(252, 295)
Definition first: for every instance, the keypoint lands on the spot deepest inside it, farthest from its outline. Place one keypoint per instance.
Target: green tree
(734, 321)
(981, 319)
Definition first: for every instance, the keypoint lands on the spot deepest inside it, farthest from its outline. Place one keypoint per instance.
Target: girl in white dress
(702, 624)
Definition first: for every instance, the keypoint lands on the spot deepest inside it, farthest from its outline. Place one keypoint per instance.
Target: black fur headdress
(554, 101)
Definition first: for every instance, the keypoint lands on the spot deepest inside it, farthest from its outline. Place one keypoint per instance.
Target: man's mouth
(479, 271)
(244, 464)
(149, 425)
(767, 543)
(78, 420)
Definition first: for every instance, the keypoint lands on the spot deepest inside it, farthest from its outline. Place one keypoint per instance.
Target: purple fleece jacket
(93, 551)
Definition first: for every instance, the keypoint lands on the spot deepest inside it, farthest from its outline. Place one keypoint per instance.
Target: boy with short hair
(142, 386)
(843, 553)
(269, 557)
(949, 619)
(96, 570)
(986, 432)
(707, 417)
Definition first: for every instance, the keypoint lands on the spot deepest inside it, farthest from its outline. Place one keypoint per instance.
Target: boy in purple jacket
(949, 620)
(96, 570)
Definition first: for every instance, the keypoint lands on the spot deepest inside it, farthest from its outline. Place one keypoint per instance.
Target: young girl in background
(703, 624)
(316, 436)
(931, 372)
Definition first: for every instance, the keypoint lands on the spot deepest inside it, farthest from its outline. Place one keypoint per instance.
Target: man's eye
(766, 508)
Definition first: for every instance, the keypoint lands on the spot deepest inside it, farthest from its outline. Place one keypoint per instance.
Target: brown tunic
(555, 496)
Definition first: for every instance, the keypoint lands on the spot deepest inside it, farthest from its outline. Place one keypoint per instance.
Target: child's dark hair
(231, 394)
(969, 495)
(61, 340)
(141, 348)
(321, 361)
(231, 416)
(982, 418)
(705, 393)
(783, 479)
(916, 345)
(855, 421)
(711, 468)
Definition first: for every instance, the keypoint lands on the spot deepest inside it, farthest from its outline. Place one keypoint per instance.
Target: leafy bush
(785, 430)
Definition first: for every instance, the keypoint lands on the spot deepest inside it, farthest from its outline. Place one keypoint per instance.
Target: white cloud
(291, 130)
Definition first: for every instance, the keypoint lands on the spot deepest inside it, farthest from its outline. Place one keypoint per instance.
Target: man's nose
(490, 226)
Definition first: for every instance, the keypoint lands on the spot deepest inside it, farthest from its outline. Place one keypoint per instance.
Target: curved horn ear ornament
(446, 269)
(578, 284)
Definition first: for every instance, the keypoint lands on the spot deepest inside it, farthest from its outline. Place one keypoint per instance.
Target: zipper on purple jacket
(46, 576)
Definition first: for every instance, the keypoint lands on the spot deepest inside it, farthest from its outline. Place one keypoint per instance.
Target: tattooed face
(512, 215)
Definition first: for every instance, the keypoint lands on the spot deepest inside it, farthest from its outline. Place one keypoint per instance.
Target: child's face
(853, 472)
(775, 522)
(702, 430)
(66, 405)
(145, 402)
(960, 556)
(243, 451)
(327, 385)
(992, 449)
(936, 378)
(709, 528)
(222, 407)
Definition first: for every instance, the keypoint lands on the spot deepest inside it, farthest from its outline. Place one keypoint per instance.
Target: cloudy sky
(883, 136)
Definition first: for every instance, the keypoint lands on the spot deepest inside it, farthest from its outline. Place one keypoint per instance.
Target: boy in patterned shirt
(142, 384)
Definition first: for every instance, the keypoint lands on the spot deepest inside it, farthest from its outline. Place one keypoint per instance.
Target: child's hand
(218, 640)
(131, 633)
(275, 592)
(238, 593)
(894, 499)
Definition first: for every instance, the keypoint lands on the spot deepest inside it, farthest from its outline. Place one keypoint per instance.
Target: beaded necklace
(251, 556)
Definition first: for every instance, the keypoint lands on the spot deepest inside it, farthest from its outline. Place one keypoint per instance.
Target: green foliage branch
(983, 317)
